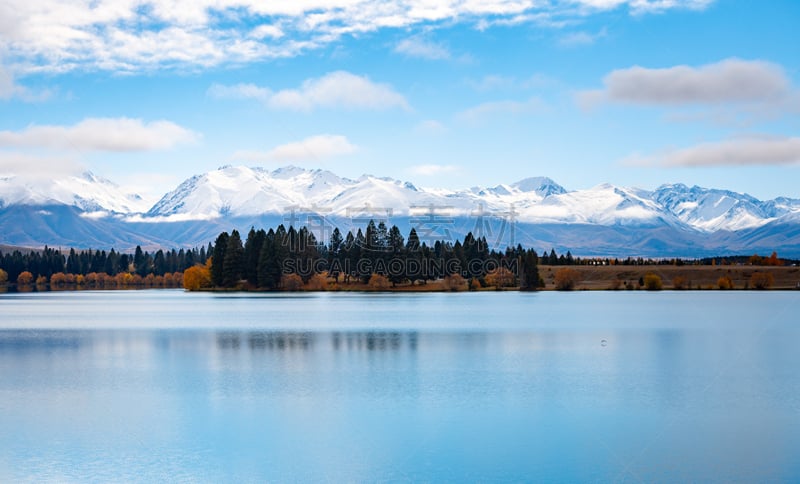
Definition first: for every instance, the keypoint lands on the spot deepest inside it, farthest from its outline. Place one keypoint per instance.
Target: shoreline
(587, 278)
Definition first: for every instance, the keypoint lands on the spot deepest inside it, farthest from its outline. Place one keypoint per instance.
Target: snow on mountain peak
(86, 191)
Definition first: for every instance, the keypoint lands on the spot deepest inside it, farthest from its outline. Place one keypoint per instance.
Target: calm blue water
(586, 386)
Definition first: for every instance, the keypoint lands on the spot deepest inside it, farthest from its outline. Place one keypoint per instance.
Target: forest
(378, 256)
(98, 268)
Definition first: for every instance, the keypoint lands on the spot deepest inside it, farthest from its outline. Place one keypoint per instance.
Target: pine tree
(218, 259)
(233, 260)
(252, 254)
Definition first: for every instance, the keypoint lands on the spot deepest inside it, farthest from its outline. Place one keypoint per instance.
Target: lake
(163, 385)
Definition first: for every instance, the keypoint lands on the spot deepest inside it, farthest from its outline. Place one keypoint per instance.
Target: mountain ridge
(671, 219)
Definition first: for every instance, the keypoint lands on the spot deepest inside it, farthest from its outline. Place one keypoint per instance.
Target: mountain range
(88, 211)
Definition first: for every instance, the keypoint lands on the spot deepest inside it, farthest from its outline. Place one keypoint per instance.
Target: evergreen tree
(218, 259)
(269, 272)
(252, 254)
(233, 260)
(529, 280)
(335, 252)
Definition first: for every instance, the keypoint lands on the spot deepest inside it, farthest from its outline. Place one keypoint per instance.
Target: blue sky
(442, 93)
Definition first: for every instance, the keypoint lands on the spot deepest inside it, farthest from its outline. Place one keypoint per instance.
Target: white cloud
(38, 167)
(581, 38)
(422, 48)
(314, 148)
(494, 108)
(731, 152)
(728, 81)
(492, 82)
(430, 126)
(432, 170)
(240, 91)
(10, 89)
(136, 35)
(338, 89)
(101, 134)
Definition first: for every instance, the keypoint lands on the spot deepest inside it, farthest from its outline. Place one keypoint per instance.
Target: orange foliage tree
(455, 282)
(290, 282)
(378, 282)
(197, 277)
(566, 279)
(25, 278)
(501, 277)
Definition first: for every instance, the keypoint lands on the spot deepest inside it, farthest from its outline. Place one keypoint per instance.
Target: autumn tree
(566, 279)
(501, 277)
(291, 282)
(652, 282)
(378, 282)
(3, 277)
(455, 283)
(25, 278)
(197, 277)
(725, 282)
(679, 282)
(762, 280)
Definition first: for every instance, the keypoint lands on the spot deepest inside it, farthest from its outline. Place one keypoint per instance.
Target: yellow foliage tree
(652, 282)
(197, 277)
(3, 277)
(725, 283)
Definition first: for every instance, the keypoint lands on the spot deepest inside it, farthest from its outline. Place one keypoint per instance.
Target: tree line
(50, 261)
(265, 258)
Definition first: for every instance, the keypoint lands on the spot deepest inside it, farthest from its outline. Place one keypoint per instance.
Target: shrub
(41, 280)
(725, 283)
(679, 282)
(3, 277)
(455, 282)
(762, 280)
(474, 285)
(566, 279)
(25, 278)
(317, 282)
(616, 284)
(378, 282)
(290, 282)
(501, 277)
(652, 282)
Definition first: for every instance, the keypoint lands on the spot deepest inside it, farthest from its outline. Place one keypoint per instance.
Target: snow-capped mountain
(672, 220)
(87, 191)
(242, 191)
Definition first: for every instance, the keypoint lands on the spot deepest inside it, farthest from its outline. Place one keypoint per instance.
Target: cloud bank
(133, 36)
(339, 89)
(728, 81)
(730, 152)
(314, 148)
(101, 134)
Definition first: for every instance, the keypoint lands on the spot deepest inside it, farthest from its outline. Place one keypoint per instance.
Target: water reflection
(308, 341)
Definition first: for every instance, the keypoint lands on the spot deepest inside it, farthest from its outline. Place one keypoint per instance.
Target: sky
(442, 93)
